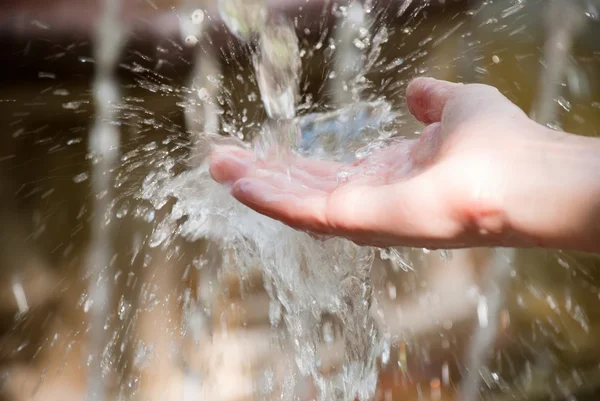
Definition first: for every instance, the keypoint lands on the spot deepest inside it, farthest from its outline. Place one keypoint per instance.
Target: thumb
(427, 97)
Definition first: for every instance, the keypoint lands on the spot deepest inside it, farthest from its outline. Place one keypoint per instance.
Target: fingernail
(248, 189)
(256, 191)
(244, 186)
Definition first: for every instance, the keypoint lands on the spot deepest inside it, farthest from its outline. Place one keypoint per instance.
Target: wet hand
(467, 181)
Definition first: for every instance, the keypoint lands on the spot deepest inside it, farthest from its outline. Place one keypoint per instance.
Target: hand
(477, 176)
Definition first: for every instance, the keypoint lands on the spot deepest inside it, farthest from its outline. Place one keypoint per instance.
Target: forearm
(557, 203)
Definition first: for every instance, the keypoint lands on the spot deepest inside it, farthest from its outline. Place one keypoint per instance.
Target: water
(277, 69)
(104, 150)
(244, 18)
(296, 275)
(323, 327)
(338, 134)
(564, 21)
(352, 40)
(316, 284)
(490, 304)
(202, 109)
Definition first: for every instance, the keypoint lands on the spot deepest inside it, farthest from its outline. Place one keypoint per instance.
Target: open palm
(440, 191)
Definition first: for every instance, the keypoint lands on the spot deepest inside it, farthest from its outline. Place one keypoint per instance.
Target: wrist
(555, 201)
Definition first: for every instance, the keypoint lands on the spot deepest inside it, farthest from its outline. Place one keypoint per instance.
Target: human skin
(481, 174)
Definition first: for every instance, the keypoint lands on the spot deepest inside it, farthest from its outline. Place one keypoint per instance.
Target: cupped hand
(447, 189)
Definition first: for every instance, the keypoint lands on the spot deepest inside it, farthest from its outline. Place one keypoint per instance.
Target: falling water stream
(104, 150)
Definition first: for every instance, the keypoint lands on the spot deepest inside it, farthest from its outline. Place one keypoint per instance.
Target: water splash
(336, 135)
(322, 288)
(301, 271)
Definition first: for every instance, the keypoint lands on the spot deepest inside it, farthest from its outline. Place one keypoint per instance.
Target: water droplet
(79, 178)
(48, 75)
(150, 147)
(124, 307)
(359, 44)
(122, 211)
(191, 40)
(203, 94)
(149, 218)
(87, 305)
(73, 105)
(197, 17)
(60, 92)
(564, 103)
(101, 194)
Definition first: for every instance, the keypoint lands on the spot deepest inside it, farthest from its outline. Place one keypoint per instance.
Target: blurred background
(163, 300)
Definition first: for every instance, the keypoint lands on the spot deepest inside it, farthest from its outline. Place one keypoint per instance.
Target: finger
(298, 207)
(403, 213)
(427, 97)
(230, 163)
